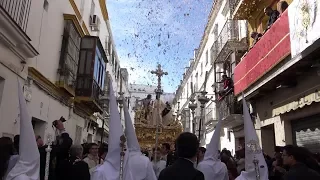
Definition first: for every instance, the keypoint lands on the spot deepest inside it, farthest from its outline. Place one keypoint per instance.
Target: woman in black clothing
(6, 151)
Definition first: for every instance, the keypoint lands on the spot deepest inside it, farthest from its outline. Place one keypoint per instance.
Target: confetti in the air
(147, 32)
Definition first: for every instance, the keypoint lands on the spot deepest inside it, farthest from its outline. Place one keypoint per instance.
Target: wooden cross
(159, 72)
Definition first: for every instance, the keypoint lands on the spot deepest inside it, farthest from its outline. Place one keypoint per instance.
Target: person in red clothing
(227, 86)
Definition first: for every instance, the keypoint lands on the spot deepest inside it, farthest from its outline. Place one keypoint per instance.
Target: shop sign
(304, 23)
(301, 102)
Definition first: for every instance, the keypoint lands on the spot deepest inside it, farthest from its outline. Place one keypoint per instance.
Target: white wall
(9, 105)
(45, 28)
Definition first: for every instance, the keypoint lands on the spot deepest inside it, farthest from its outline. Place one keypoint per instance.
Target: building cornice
(78, 14)
(104, 10)
(212, 16)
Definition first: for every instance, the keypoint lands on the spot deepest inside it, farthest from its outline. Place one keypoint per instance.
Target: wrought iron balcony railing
(228, 106)
(209, 113)
(18, 10)
(228, 39)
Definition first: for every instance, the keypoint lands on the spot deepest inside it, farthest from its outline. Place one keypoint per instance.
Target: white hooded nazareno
(110, 169)
(140, 165)
(27, 166)
(211, 166)
(253, 150)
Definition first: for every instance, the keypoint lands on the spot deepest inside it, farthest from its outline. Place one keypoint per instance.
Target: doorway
(268, 139)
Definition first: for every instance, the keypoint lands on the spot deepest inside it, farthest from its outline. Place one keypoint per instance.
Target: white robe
(106, 171)
(211, 169)
(141, 167)
(159, 166)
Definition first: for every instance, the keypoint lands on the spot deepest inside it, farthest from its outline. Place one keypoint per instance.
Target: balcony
(244, 9)
(14, 15)
(228, 41)
(269, 51)
(210, 118)
(69, 58)
(18, 11)
(91, 73)
(230, 110)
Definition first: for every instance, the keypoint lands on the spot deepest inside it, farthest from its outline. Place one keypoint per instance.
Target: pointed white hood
(253, 150)
(211, 166)
(140, 165)
(28, 164)
(133, 144)
(110, 169)
(115, 132)
(213, 148)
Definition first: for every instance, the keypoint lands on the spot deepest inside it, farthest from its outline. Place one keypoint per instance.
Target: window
(187, 90)
(212, 54)
(215, 31)
(207, 58)
(201, 70)
(99, 69)
(196, 84)
(229, 135)
(69, 57)
(92, 68)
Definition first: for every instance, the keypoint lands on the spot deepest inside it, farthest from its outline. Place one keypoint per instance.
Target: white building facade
(63, 53)
(218, 50)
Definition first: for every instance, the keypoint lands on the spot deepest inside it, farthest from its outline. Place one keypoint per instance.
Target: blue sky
(150, 31)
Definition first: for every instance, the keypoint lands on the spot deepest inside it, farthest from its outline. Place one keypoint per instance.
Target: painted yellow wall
(259, 20)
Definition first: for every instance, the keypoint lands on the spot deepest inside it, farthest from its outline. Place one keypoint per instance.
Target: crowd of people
(25, 157)
(79, 161)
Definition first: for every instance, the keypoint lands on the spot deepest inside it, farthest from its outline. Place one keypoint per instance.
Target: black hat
(55, 122)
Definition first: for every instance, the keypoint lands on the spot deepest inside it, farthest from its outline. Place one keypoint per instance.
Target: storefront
(306, 132)
(291, 115)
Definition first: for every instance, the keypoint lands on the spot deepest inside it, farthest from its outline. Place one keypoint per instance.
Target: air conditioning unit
(94, 23)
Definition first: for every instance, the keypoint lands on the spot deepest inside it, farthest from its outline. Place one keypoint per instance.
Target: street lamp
(203, 99)
(193, 106)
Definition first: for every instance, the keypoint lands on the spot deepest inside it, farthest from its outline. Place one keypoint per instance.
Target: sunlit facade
(222, 41)
(64, 55)
(279, 75)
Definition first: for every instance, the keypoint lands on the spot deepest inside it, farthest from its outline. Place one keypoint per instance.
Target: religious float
(154, 120)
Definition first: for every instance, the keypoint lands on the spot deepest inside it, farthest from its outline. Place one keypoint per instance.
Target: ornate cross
(159, 72)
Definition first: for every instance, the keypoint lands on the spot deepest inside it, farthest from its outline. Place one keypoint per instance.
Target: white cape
(141, 167)
(211, 166)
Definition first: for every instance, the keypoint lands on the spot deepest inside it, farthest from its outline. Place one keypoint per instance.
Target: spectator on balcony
(273, 16)
(282, 6)
(256, 37)
(227, 87)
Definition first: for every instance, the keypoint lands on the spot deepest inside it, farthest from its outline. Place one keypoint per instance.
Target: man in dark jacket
(273, 16)
(183, 168)
(295, 158)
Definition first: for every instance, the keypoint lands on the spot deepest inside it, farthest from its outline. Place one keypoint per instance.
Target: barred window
(69, 57)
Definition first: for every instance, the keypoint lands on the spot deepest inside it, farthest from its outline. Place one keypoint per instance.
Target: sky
(148, 32)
